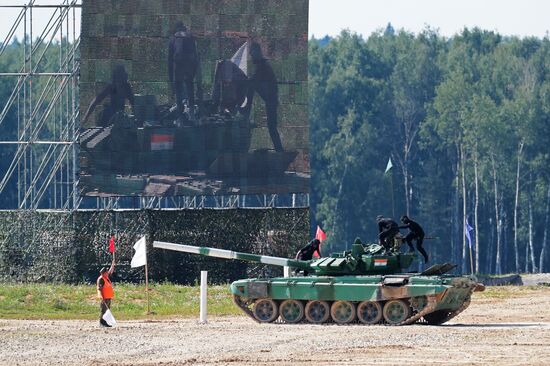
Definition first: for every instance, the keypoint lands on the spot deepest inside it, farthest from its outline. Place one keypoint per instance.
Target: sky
(330, 17)
(508, 17)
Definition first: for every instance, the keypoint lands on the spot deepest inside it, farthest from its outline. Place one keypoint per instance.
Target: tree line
(466, 123)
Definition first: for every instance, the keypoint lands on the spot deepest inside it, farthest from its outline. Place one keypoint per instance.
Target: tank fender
(393, 288)
(395, 281)
(258, 289)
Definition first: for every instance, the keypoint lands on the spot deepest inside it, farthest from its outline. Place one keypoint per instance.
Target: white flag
(240, 58)
(140, 258)
(109, 318)
(389, 166)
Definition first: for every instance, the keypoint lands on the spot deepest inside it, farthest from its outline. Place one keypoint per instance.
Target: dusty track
(508, 331)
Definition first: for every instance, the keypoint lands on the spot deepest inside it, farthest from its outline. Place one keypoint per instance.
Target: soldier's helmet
(379, 217)
(180, 27)
(119, 75)
(405, 219)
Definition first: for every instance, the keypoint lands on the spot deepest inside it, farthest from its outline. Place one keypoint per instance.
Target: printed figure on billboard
(230, 87)
(183, 63)
(118, 90)
(264, 82)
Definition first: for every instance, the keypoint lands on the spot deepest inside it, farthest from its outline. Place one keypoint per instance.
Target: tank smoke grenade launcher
(366, 285)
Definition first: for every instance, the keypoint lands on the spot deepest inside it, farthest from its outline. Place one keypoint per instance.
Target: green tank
(366, 284)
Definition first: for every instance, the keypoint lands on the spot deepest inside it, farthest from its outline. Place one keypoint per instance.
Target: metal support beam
(44, 99)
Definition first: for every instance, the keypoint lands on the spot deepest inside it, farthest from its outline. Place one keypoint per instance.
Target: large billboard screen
(194, 97)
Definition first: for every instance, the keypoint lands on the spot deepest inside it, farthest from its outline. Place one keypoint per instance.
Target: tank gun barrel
(229, 254)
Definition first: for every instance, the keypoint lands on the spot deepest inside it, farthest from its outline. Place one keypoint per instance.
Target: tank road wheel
(292, 311)
(396, 311)
(317, 312)
(265, 310)
(342, 312)
(369, 312)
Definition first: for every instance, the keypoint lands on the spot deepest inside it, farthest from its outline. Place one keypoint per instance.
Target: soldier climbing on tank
(230, 87)
(264, 82)
(183, 63)
(118, 90)
(415, 233)
(306, 253)
(387, 230)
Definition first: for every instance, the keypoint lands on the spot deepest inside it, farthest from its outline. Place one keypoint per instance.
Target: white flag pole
(140, 259)
(147, 281)
(204, 282)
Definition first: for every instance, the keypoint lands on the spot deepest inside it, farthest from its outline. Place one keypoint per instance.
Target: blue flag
(467, 229)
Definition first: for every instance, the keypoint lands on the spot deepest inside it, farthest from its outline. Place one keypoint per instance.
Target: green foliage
(71, 247)
(434, 105)
(48, 112)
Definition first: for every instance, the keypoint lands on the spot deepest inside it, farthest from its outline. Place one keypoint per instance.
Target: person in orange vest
(105, 290)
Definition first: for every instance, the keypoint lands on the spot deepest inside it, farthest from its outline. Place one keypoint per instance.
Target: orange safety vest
(107, 291)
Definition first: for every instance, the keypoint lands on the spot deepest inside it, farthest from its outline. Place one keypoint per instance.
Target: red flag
(112, 244)
(320, 235)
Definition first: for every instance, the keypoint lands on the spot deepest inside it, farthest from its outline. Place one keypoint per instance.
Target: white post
(204, 283)
(286, 271)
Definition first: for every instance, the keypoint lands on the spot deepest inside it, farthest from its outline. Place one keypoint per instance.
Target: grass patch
(49, 301)
(504, 292)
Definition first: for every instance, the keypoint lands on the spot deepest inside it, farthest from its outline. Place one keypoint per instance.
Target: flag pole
(471, 260)
(389, 166)
(147, 282)
(392, 199)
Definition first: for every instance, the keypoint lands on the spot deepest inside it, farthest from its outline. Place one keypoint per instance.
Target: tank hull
(411, 297)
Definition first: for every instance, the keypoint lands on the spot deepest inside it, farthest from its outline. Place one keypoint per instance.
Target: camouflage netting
(71, 247)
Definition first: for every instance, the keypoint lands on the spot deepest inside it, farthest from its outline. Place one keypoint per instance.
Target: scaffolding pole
(42, 106)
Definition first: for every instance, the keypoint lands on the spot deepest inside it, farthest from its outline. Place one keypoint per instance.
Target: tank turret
(360, 260)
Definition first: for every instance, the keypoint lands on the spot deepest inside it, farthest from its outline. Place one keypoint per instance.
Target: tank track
(430, 307)
(244, 306)
(456, 312)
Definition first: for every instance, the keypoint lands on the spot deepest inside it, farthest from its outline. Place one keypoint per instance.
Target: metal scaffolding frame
(45, 99)
(293, 200)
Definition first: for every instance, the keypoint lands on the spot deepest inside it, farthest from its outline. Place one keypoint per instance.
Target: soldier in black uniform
(415, 233)
(306, 253)
(118, 90)
(387, 230)
(183, 63)
(264, 83)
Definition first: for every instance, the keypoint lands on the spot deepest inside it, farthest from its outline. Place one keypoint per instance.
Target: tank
(367, 284)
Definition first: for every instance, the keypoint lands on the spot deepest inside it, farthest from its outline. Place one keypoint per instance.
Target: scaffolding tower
(44, 103)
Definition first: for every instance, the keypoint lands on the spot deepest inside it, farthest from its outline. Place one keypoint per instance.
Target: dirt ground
(491, 331)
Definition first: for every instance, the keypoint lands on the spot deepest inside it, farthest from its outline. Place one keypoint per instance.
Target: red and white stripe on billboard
(162, 141)
(380, 262)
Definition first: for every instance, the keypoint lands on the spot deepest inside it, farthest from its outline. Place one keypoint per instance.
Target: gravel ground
(506, 331)
(535, 279)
